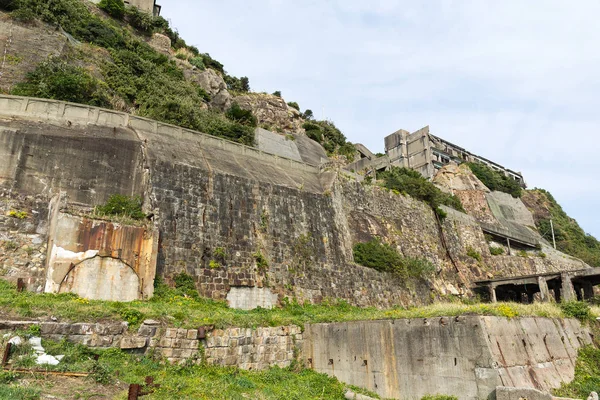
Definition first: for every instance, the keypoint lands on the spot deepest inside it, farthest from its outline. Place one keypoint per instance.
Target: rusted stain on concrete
(101, 259)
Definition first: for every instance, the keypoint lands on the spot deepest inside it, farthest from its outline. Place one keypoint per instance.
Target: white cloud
(515, 81)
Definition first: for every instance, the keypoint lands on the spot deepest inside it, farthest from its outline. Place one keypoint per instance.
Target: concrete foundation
(467, 357)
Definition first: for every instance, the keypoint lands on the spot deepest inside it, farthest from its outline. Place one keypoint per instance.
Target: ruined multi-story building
(148, 6)
(425, 153)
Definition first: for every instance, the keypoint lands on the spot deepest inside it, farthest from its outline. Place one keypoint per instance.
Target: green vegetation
(18, 214)
(56, 79)
(330, 137)
(439, 397)
(120, 205)
(495, 180)
(308, 115)
(183, 307)
(587, 375)
(412, 183)
(114, 8)
(261, 261)
(384, 258)
(471, 252)
(496, 251)
(145, 80)
(570, 238)
(16, 392)
(577, 309)
(237, 84)
(293, 104)
(277, 93)
(192, 380)
(239, 115)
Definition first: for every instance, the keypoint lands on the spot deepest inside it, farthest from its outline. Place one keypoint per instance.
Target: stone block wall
(254, 349)
(246, 348)
(23, 239)
(222, 207)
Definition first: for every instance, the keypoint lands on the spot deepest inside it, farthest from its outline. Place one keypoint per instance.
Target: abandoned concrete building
(148, 6)
(423, 152)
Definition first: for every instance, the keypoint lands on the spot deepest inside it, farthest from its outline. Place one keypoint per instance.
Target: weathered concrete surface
(100, 260)
(512, 393)
(280, 145)
(465, 356)
(248, 298)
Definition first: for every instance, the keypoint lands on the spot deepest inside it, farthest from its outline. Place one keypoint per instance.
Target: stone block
(165, 342)
(181, 333)
(192, 334)
(147, 330)
(171, 333)
(166, 352)
(133, 342)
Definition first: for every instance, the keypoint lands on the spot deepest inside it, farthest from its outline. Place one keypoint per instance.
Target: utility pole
(552, 229)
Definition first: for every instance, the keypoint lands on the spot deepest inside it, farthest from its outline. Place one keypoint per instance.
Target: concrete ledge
(60, 111)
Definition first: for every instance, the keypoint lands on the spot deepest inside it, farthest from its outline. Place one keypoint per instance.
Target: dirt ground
(69, 388)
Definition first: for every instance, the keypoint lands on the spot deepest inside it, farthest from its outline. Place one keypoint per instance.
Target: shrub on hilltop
(495, 180)
(412, 183)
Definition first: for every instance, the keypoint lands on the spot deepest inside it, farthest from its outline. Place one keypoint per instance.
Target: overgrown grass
(587, 375)
(192, 380)
(176, 308)
(13, 391)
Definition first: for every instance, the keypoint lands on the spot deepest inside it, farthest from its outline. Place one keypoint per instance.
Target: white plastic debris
(59, 358)
(16, 341)
(46, 359)
(36, 344)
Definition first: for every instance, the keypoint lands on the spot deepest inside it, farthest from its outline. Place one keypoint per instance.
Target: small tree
(239, 115)
(293, 104)
(245, 82)
(308, 115)
(277, 93)
(114, 8)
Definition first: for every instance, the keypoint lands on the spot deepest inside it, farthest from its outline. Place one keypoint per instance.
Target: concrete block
(133, 342)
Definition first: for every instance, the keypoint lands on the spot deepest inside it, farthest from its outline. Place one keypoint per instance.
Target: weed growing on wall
(121, 205)
(474, 254)
(412, 183)
(496, 251)
(384, 258)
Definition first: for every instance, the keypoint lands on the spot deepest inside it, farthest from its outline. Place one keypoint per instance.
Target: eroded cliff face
(250, 227)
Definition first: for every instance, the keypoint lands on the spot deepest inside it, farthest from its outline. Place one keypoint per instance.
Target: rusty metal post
(134, 391)
(20, 285)
(6, 354)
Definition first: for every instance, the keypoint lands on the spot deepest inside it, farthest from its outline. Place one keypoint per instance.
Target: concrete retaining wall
(466, 356)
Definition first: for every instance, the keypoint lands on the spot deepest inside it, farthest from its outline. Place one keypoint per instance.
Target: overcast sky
(514, 81)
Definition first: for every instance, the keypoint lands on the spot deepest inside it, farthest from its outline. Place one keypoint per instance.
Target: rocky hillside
(570, 237)
(130, 61)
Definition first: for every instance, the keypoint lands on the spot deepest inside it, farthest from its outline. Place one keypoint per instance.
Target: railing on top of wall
(54, 110)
